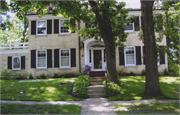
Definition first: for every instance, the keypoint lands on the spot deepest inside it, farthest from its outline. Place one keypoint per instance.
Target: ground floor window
(64, 58)
(130, 58)
(41, 59)
(16, 63)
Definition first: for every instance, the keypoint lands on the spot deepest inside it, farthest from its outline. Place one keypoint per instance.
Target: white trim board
(13, 51)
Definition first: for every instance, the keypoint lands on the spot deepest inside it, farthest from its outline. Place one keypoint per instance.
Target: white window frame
(60, 59)
(37, 60)
(37, 27)
(13, 63)
(60, 27)
(131, 30)
(127, 65)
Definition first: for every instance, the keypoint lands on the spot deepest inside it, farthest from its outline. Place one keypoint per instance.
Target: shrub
(77, 74)
(120, 72)
(143, 72)
(5, 73)
(132, 73)
(66, 75)
(20, 76)
(30, 76)
(80, 86)
(42, 76)
(173, 67)
(54, 75)
(113, 89)
(165, 71)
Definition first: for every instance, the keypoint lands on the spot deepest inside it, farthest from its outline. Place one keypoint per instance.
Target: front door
(97, 61)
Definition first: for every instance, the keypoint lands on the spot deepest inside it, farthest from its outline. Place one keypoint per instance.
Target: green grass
(40, 90)
(39, 109)
(151, 108)
(133, 88)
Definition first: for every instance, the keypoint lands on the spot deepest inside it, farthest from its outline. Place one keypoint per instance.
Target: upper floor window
(130, 27)
(41, 59)
(63, 29)
(16, 63)
(41, 27)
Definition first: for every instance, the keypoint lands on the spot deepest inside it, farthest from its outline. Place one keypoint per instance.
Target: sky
(135, 4)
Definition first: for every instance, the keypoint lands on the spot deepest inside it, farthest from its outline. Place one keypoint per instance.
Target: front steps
(96, 88)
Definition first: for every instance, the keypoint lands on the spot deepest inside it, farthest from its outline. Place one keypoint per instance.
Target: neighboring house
(53, 49)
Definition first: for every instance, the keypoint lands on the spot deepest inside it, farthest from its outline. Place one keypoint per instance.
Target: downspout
(79, 48)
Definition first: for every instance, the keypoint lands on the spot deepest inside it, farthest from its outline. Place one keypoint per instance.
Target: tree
(108, 19)
(152, 88)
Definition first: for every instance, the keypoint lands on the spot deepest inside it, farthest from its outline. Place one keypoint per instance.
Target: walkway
(93, 106)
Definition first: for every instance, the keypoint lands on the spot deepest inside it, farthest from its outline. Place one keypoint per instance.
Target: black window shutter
(33, 58)
(56, 26)
(49, 26)
(121, 56)
(137, 24)
(49, 58)
(143, 55)
(22, 62)
(138, 55)
(162, 57)
(73, 57)
(9, 62)
(33, 27)
(56, 57)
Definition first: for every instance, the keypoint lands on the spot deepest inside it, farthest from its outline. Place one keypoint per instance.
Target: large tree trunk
(152, 88)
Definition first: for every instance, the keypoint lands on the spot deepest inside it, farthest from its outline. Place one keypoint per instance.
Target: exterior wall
(4, 61)
(53, 41)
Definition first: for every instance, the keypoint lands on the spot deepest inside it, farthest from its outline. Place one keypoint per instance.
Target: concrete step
(96, 83)
(95, 92)
(97, 77)
(95, 96)
(94, 80)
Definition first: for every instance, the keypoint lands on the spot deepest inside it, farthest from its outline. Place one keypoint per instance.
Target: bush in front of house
(113, 89)
(77, 74)
(42, 76)
(132, 73)
(66, 75)
(21, 76)
(173, 68)
(30, 76)
(120, 71)
(143, 72)
(54, 75)
(80, 86)
(165, 71)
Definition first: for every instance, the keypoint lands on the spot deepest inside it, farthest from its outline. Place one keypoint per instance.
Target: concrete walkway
(93, 106)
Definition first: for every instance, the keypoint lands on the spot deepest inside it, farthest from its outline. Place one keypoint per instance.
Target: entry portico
(94, 54)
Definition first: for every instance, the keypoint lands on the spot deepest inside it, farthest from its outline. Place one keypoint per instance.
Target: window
(130, 27)
(62, 29)
(16, 63)
(130, 58)
(41, 59)
(41, 27)
(64, 58)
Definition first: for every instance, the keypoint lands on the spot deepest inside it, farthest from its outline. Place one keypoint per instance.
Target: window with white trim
(130, 27)
(62, 29)
(41, 59)
(16, 63)
(64, 58)
(130, 57)
(41, 27)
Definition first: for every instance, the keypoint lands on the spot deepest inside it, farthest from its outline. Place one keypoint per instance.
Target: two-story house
(53, 49)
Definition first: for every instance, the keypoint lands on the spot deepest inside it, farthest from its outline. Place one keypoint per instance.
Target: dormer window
(41, 27)
(62, 29)
(130, 28)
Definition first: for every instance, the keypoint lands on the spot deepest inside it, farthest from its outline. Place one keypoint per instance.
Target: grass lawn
(133, 88)
(40, 90)
(39, 109)
(151, 108)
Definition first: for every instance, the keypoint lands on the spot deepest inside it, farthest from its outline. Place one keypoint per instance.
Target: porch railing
(10, 46)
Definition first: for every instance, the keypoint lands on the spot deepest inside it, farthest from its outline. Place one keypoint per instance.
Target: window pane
(130, 55)
(16, 62)
(41, 30)
(64, 52)
(130, 27)
(64, 61)
(41, 24)
(41, 62)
